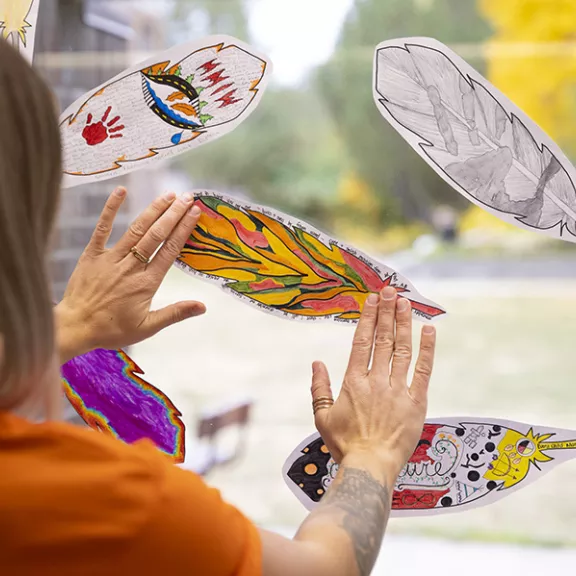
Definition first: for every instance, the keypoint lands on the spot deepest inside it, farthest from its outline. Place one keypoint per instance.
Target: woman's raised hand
(377, 412)
(108, 298)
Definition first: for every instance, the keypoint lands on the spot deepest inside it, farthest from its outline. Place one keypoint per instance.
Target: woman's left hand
(107, 300)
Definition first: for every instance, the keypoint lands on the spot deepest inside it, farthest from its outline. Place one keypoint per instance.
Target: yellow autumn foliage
(532, 59)
(354, 192)
(357, 199)
(355, 209)
(475, 218)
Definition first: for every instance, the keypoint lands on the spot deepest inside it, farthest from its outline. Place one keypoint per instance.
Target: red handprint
(97, 133)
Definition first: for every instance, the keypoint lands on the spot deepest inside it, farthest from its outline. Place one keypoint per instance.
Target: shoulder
(72, 473)
(92, 458)
(81, 444)
(150, 512)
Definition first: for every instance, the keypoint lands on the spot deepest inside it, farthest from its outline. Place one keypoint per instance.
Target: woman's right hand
(377, 413)
(107, 303)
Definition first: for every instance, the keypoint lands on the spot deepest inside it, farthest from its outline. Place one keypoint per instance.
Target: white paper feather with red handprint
(171, 103)
(474, 137)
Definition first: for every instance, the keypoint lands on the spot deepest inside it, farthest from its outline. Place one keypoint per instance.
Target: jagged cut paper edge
(498, 440)
(105, 388)
(526, 129)
(206, 242)
(22, 36)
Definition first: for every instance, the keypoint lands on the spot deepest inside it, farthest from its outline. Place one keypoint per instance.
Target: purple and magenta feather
(106, 390)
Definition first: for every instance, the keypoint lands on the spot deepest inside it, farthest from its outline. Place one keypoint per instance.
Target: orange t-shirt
(74, 502)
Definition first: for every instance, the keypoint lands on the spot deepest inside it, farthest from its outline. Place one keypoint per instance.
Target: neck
(45, 401)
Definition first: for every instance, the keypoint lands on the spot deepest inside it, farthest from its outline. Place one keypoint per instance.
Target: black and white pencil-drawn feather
(474, 137)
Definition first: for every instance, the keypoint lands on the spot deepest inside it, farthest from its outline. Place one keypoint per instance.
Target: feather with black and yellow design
(458, 464)
(309, 471)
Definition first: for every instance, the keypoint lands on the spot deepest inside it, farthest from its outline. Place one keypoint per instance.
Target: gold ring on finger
(322, 399)
(327, 401)
(139, 256)
(321, 403)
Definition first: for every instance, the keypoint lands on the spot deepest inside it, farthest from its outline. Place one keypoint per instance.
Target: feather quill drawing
(284, 266)
(105, 388)
(474, 137)
(459, 464)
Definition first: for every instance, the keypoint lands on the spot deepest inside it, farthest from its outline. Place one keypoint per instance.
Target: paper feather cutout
(173, 102)
(18, 24)
(106, 390)
(474, 137)
(459, 464)
(285, 266)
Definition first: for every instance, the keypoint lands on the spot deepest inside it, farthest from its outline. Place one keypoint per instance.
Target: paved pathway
(413, 557)
(490, 268)
(405, 556)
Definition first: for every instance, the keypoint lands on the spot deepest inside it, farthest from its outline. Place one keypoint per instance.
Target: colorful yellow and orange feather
(286, 266)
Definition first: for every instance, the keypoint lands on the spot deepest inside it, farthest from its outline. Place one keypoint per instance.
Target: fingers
(164, 226)
(175, 242)
(424, 365)
(157, 320)
(384, 341)
(142, 224)
(364, 338)
(103, 228)
(321, 393)
(402, 356)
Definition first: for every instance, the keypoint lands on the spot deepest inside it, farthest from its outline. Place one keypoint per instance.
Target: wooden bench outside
(205, 452)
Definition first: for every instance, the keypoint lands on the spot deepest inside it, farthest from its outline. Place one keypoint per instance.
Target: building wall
(61, 31)
(79, 45)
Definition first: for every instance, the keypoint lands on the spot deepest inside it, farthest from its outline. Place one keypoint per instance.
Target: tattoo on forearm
(366, 506)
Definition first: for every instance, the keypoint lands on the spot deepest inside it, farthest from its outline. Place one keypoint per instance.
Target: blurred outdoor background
(317, 148)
